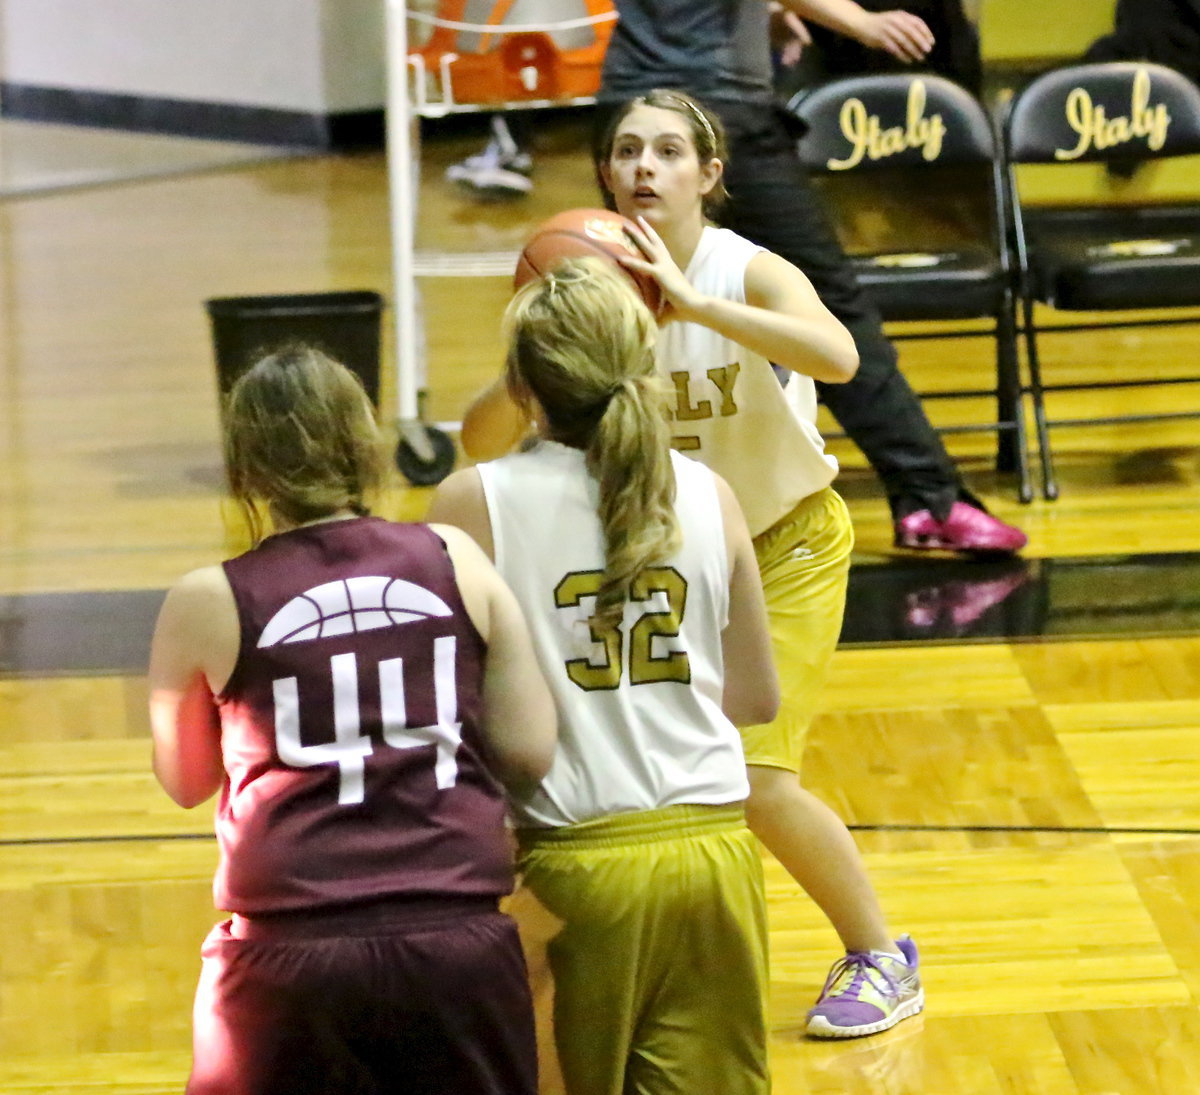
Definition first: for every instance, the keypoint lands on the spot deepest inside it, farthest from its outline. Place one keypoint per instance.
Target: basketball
(577, 233)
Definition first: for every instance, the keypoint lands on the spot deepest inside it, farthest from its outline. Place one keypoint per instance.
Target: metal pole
(401, 188)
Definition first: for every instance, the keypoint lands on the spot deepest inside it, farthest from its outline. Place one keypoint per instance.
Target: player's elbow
(769, 701)
(182, 790)
(538, 755)
(190, 797)
(529, 766)
(835, 361)
(523, 761)
(536, 768)
(843, 360)
(756, 713)
(752, 706)
(188, 777)
(522, 773)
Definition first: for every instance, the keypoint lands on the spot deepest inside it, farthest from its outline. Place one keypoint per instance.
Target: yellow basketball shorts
(660, 968)
(804, 560)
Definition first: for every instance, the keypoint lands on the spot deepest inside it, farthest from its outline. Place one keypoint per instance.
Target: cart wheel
(427, 473)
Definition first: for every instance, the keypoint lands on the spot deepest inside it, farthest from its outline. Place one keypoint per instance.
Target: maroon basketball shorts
(428, 1000)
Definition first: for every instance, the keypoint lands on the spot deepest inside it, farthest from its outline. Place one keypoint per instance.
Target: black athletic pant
(773, 204)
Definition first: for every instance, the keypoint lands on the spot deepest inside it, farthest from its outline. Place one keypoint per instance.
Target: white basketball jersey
(731, 412)
(639, 705)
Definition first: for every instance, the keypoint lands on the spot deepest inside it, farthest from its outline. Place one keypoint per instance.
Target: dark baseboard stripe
(898, 601)
(189, 118)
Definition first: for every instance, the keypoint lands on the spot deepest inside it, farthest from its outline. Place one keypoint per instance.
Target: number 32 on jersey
(650, 661)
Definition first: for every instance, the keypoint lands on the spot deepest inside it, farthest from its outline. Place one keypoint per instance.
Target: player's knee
(771, 791)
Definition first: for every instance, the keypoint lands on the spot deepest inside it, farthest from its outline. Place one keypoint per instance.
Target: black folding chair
(1103, 258)
(927, 129)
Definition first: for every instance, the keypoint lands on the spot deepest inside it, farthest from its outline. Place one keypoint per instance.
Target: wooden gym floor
(1014, 744)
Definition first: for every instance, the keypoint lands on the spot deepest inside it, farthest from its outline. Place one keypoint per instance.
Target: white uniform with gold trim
(731, 412)
(640, 719)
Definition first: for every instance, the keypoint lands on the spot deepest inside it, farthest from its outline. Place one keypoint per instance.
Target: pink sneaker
(966, 528)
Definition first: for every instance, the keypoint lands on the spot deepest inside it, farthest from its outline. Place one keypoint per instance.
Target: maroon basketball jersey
(350, 727)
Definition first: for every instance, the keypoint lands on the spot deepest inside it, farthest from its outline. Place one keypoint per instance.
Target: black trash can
(344, 325)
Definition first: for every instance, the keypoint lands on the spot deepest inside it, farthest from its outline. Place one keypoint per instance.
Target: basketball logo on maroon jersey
(350, 605)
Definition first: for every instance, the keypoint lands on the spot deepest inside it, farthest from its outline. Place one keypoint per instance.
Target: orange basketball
(579, 232)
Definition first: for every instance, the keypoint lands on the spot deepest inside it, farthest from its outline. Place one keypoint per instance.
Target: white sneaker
(501, 170)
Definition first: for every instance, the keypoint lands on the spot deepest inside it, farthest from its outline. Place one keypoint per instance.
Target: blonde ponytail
(581, 343)
(630, 458)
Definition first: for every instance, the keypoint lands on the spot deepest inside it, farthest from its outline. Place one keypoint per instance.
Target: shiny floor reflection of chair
(1013, 742)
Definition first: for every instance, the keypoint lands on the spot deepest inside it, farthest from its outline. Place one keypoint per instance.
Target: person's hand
(680, 299)
(789, 35)
(900, 33)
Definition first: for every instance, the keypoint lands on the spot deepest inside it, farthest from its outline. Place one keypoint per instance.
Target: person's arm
(751, 694)
(519, 720)
(905, 36)
(789, 35)
(192, 655)
(493, 424)
(459, 500)
(783, 319)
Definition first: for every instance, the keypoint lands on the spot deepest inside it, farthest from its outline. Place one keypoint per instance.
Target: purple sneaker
(966, 528)
(868, 992)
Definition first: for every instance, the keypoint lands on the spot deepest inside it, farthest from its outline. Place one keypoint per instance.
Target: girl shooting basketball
(732, 309)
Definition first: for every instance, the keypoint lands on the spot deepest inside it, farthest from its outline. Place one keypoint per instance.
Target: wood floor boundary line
(123, 838)
(1065, 830)
(1082, 830)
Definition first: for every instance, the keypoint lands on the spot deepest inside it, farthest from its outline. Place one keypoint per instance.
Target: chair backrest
(1109, 111)
(891, 120)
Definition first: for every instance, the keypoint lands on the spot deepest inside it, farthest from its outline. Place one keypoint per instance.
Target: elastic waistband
(638, 827)
(810, 503)
(373, 918)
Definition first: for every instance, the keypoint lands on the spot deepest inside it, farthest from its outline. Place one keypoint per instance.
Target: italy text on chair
(934, 137)
(1105, 257)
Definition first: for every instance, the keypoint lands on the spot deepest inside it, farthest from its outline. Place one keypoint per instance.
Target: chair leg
(1042, 426)
(1007, 402)
(1024, 479)
(1012, 449)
